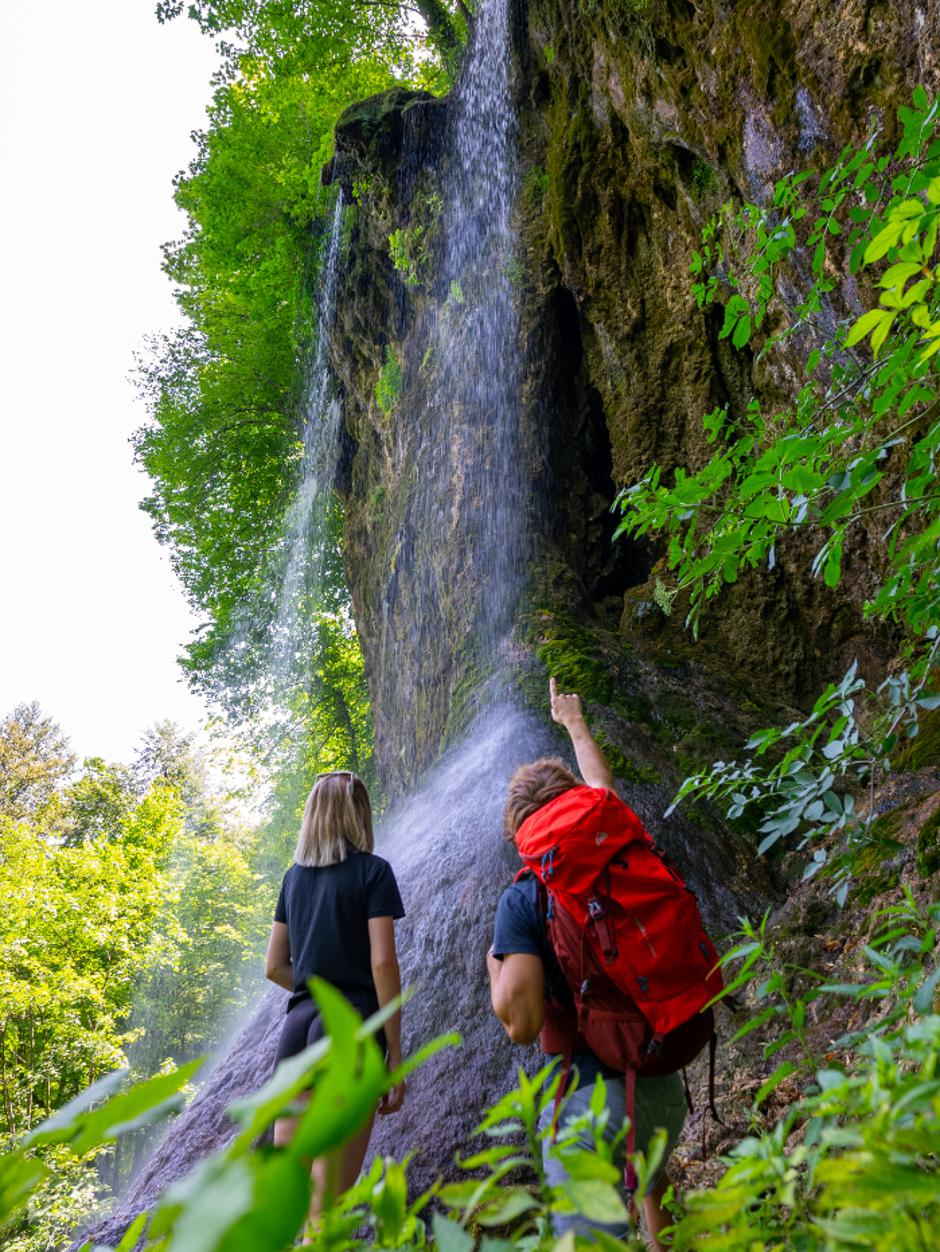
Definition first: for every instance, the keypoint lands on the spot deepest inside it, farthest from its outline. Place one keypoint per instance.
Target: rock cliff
(635, 122)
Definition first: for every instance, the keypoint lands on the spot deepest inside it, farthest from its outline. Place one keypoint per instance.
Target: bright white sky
(97, 102)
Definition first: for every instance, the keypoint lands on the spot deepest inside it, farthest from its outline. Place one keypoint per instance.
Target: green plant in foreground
(852, 1162)
(256, 1198)
(857, 450)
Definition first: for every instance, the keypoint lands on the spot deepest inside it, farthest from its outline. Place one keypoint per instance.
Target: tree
(316, 35)
(223, 445)
(76, 934)
(34, 761)
(99, 802)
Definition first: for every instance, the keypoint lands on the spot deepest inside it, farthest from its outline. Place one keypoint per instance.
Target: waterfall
(479, 346)
(307, 525)
(274, 639)
(465, 532)
(444, 839)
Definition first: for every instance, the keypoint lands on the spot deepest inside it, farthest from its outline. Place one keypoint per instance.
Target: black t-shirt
(520, 929)
(327, 911)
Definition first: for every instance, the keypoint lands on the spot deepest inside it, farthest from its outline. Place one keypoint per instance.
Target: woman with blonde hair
(335, 919)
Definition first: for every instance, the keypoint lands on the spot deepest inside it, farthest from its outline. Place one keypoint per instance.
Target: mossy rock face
(928, 845)
(635, 123)
(924, 749)
(644, 120)
(374, 127)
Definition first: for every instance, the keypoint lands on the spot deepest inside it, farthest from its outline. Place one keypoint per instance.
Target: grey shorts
(660, 1105)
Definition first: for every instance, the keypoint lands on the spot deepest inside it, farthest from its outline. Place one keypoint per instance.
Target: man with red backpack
(599, 949)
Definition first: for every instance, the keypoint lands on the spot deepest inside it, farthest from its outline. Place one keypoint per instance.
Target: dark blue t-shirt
(520, 929)
(327, 910)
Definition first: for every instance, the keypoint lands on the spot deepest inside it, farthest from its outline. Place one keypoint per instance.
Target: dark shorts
(302, 1027)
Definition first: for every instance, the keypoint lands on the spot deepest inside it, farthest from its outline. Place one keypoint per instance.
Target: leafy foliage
(855, 453)
(316, 36)
(852, 1162)
(388, 387)
(131, 905)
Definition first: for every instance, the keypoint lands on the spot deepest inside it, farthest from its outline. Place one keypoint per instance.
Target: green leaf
(132, 1234)
(64, 1117)
(867, 323)
(19, 1176)
(511, 1204)
(131, 1108)
(742, 332)
(597, 1201)
(783, 1071)
(449, 1236)
(926, 992)
(584, 1166)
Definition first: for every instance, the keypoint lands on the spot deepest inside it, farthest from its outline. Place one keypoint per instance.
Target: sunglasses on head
(337, 773)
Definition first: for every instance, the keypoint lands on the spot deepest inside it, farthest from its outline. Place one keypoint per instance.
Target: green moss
(388, 387)
(409, 254)
(928, 845)
(535, 188)
(571, 655)
(623, 766)
(869, 857)
(704, 179)
(377, 497)
(924, 749)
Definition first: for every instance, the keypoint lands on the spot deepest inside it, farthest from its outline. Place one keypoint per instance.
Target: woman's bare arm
(387, 978)
(277, 963)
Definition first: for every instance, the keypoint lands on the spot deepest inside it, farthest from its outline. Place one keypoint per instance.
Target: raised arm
(567, 710)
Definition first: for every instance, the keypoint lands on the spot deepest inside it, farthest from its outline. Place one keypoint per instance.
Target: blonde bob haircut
(337, 819)
(533, 786)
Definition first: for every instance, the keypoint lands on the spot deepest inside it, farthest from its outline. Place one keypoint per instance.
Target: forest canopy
(226, 393)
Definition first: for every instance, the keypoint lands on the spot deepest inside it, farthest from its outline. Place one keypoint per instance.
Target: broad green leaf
(450, 1237)
(511, 1204)
(597, 1201)
(783, 1071)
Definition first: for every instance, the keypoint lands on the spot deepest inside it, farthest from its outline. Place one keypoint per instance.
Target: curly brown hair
(533, 786)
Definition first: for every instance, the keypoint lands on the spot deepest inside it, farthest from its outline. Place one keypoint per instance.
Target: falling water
(465, 534)
(482, 359)
(269, 650)
(307, 524)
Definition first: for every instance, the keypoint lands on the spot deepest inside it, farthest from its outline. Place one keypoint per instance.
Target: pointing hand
(565, 708)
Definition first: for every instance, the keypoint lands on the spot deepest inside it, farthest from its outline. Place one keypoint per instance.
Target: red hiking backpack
(627, 934)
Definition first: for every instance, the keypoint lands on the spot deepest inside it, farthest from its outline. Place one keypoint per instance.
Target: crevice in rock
(580, 486)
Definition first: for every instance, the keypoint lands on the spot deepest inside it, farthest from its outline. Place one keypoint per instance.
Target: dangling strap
(712, 1049)
(688, 1092)
(629, 1173)
(562, 1086)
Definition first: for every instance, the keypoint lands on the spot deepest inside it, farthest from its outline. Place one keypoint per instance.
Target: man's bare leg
(657, 1218)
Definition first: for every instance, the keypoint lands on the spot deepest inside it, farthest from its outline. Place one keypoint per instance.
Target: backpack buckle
(596, 908)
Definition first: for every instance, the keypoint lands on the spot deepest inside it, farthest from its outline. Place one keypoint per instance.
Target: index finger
(552, 690)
